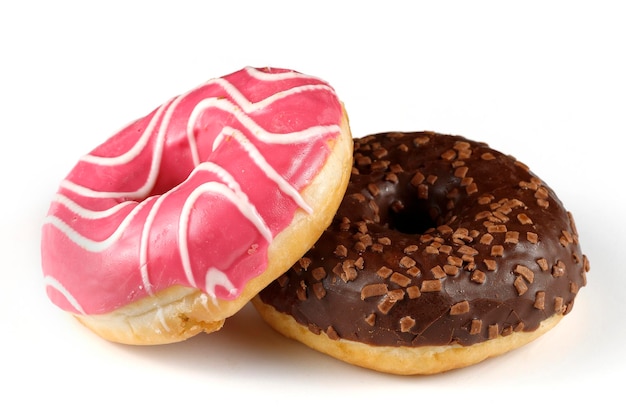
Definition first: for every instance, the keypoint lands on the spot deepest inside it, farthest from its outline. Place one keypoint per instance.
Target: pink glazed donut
(179, 219)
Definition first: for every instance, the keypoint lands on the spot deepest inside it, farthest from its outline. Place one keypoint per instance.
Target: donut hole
(412, 217)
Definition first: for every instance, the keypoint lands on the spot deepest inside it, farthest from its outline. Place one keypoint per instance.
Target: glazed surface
(439, 240)
(191, 194)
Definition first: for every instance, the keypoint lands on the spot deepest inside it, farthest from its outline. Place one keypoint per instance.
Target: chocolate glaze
(438, 240)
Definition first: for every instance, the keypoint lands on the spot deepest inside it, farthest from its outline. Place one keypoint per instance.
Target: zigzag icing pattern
(191, 194)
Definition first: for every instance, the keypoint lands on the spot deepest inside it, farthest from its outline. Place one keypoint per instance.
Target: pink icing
(191, 194)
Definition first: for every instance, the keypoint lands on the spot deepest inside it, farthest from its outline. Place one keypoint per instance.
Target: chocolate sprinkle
(439, 240)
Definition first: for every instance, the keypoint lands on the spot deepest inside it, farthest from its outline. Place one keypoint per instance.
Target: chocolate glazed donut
(444, 252)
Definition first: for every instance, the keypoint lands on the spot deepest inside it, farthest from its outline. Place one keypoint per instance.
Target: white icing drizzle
(91, 245)
(153, 173)
(54, 283)
(143, 244)
(276, 76)
(133, 152)
(261, 162)
(242, 199)
(86, 213)
(241, 204)
(260, 133)
(215, 278)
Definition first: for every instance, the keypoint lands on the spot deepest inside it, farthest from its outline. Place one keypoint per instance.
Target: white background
(543, 81)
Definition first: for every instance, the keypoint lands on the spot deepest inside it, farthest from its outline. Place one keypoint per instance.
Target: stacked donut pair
(407, 253)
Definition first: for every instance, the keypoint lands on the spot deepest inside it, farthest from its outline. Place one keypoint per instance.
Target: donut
(443, 253)
(176, 221)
